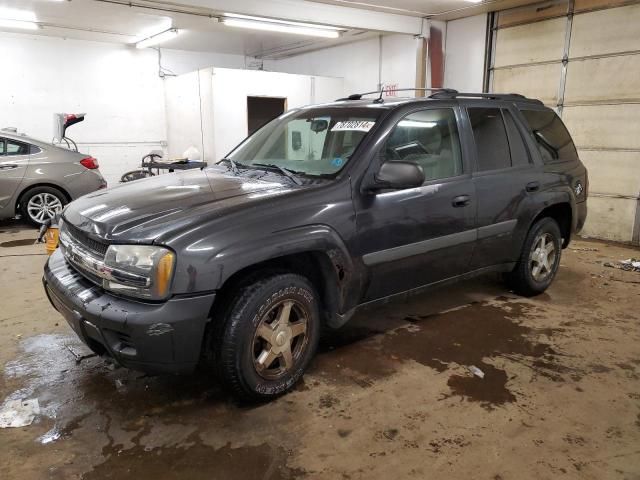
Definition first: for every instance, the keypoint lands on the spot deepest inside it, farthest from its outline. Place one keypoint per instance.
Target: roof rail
(358, 96)
(492, 96)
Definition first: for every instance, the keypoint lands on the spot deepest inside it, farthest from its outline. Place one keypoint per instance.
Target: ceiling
(117, 21)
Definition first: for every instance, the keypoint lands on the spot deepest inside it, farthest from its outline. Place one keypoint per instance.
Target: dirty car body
(359, 230)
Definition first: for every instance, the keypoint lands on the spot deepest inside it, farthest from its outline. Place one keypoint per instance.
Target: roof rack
(492, 96)
(446, 93)
(358, 96)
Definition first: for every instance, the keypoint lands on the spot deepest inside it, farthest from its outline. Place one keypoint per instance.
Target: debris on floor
(584, 249)
(476, 371)
(19, 413)
(630, 265)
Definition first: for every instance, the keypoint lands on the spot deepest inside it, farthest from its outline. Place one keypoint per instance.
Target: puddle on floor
(194, 461)
(18, 243)
(467, 336)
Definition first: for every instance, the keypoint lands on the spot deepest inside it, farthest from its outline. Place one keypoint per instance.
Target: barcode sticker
(353, 125)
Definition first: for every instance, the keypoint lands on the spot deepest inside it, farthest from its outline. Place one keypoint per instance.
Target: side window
(2, 149)
(519, 152)
(551, 136)
(490, 136)
(15, 148)
(430, 139)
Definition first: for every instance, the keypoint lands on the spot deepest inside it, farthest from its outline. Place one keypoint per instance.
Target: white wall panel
(612, 172)
(117, 86)
(610, 218)
(606, 31)
(537, 81)
(534, 42)
(604, 126)
(593, 80)
(358, 63)
(464, 53)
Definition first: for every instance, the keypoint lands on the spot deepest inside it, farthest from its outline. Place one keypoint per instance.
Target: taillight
(90, 163)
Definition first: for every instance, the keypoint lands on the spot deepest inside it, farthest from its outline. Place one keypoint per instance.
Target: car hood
(144, 210)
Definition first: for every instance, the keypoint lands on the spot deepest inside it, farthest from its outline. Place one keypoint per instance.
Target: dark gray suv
(323, 210)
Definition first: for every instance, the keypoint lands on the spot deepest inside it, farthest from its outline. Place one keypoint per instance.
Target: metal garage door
(582, 58)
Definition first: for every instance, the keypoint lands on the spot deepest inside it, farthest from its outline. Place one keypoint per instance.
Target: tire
(524, 279)
(252, 367)
(135, 175)
(41, 203)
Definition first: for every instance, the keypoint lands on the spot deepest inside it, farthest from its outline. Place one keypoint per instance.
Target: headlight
(142, 271)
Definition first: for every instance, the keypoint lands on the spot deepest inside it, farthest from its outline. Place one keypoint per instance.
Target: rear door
(417, 236)
(506, 181)
(14, 160)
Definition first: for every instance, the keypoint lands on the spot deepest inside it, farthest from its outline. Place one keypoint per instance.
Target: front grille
(80, 237)
(72, 239)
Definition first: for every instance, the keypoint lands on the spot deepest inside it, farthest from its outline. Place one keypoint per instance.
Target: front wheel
(539, 260)
(41, 204)
(269, 336)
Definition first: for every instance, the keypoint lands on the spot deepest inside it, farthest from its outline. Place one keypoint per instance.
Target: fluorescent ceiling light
(282, 26)
(14, 18)
(159, 38)
(473, 1)
(162, 26)
(19, 15)
(18, 24)
(416, 124)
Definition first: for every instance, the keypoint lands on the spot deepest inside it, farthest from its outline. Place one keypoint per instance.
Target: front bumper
(151, 337)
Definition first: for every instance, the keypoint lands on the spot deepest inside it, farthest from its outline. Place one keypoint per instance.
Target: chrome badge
(578, 188)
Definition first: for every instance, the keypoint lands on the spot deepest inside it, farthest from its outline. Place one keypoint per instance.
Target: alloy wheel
(43, 206)
(280, 339)
(543, 257)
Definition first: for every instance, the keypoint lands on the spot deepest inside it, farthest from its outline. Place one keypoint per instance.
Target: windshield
(316, 142)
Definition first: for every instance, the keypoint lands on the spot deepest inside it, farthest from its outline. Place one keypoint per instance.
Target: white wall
(358, 63)
(464, 53)
(117, 86)
(208, 109)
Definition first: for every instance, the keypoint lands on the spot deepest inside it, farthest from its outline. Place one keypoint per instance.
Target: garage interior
(556, 391)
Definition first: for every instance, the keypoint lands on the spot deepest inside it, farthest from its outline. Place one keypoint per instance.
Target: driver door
(418, 236)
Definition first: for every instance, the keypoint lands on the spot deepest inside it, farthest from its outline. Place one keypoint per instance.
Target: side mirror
(398, 175)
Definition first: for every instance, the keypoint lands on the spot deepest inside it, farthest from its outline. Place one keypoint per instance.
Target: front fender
(308, 238)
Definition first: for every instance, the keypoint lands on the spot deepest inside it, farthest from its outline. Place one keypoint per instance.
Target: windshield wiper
(234, 167)
(284, 171)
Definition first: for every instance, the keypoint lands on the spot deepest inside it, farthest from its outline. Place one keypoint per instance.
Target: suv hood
(143, 210)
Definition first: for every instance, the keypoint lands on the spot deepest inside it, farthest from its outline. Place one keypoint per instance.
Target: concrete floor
(389, 396)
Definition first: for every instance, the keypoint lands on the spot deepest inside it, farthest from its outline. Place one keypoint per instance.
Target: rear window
(551, 136)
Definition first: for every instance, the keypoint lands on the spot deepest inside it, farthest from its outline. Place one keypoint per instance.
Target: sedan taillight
(90, 163)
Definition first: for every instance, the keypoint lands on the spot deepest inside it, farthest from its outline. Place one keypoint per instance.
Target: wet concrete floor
(391, 395)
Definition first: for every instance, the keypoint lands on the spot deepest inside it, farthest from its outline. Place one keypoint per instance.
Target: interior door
(412, 237)
(14, 159)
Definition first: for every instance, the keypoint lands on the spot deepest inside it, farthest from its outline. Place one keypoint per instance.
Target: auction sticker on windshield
(357, 125)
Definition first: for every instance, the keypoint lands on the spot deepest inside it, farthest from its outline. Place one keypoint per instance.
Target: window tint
(519, 152)
(551, 136)
(428, 138)
(15, 148)
(491, 138)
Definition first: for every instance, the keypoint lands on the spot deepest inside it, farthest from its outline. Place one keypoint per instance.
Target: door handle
(8, 166)
(461, 201)
(533, 186)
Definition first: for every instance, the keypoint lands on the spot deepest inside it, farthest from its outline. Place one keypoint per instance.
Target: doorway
(261, 110)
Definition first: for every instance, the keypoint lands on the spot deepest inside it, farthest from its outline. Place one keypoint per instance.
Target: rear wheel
(539, 260)
(41, 203)
(268, 336)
